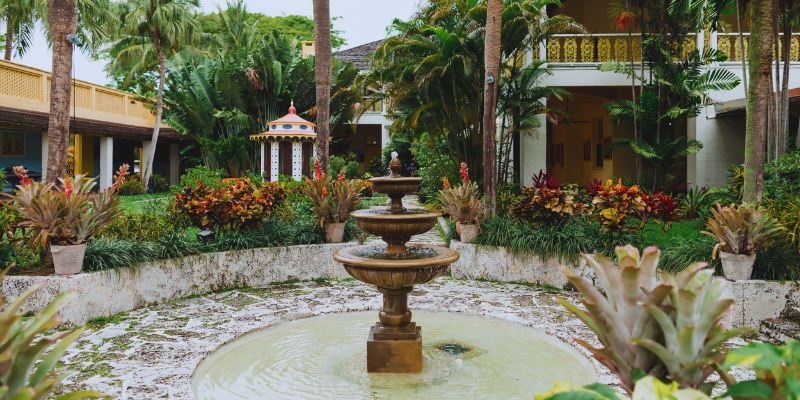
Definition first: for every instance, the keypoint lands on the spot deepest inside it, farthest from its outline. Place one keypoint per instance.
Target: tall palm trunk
(491, 54)
(760, 95)
(147, 168)
(62, 18)
(9, 40)
(783, 135)
(739, 24)
(322, 77)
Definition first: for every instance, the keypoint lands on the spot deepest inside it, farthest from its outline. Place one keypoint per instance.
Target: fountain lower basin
(322, 358)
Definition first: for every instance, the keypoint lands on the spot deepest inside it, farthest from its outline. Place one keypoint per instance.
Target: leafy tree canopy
(293, 26)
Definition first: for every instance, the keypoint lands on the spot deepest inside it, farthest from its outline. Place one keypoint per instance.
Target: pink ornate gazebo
(287, 147)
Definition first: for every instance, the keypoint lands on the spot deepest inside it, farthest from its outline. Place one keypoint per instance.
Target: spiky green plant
(462, 202)
(689, 319)
(740, 229)
(618, 316)
(695, 203)
(27, 368)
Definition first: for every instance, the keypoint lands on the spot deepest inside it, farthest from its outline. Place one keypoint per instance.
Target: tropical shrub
(237, 204)
(348, 164)
(667, 330)
(31, 351)
(68, 213)
(740, 229)
(332, 201)
(614, 204)
(435, 164)
(787, 213)
(545, 202)
(211, 178)
(132, 186)
(647, 388)
(659, 206)
(695, 203)
(777, 371)
(462, 202)
(158, 183)
(146, 226)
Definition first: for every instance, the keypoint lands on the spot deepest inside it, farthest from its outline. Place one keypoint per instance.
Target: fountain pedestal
(395, 342)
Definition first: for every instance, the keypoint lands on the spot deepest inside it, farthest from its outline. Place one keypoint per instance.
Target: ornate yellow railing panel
(28, 89)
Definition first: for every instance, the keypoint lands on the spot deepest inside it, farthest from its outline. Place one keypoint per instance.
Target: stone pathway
(150, 353)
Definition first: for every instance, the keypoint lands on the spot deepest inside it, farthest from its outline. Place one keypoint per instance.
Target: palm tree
(20, 18)
(491, 54)
(759, 56)
(322, 76)
(62, 18)
(150, 32)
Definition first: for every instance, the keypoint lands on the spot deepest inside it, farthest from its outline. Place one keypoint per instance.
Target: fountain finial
(395, 165)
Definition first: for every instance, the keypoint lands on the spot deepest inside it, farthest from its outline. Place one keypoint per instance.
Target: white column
(261, 157)
(106, 162)
(297, 161)
(274, 149)
(45, 144)
(533, 152)
(174, 163)
(385, 138)
(143, 158)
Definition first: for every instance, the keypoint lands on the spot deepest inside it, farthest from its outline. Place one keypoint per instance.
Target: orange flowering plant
(238, 204)
(66, 213)
(614, 203)
(332, 200)
(462, 202)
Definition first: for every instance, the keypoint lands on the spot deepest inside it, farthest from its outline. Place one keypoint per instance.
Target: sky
(360, 21)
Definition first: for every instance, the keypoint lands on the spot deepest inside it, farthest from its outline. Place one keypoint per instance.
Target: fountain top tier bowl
(395, 186)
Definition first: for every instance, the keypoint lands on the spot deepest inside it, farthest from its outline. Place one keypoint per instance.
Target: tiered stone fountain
(395, 342)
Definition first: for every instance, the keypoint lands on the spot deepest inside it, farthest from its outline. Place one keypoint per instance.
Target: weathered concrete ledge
(110, 292)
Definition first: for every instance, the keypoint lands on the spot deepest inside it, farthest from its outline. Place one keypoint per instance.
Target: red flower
(317, 170)
(446, 183)
(68, 186)
(464, 171)
(626, 20)
(22, 174)
(340, 178)
(120, 176)
(543, 180)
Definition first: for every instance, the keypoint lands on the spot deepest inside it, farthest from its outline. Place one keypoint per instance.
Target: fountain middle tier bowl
(382, 222)
(373, 265)
(395, 185)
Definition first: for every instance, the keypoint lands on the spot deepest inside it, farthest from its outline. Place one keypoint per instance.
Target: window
(12, 144)
(274, 126)
(303, 127)
(287, 126)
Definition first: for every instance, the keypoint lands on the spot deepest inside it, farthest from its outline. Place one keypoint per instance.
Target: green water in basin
(466, 357)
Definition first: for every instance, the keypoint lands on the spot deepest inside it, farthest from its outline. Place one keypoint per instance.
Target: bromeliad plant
(332, 201)
(740, 229)
(67, 213)
(30, 352)
(462, 202)
(670, 330)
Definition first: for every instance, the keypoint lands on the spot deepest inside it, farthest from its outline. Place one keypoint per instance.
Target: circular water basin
(465, 357)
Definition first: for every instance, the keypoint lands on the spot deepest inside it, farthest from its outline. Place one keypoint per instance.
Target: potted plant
(65, 215)
(332, 201)
(463, 204)
(740, 231)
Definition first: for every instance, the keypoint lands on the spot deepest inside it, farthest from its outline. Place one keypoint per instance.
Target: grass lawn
(140, 202)
(678, 233)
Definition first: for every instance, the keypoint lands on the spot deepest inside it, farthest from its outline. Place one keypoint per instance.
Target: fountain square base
(394, 351)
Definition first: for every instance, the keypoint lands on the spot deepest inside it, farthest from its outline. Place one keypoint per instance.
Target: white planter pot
(334, 232)
(737, 267)
(467, 232)
(68, 260)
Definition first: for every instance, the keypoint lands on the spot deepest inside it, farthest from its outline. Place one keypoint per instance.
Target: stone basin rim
(402, 179)
(365, 215)
(446, 256)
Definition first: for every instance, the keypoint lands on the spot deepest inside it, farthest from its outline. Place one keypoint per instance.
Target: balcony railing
(605, 47)
(730, 44)
(600, 48)
(28, 89)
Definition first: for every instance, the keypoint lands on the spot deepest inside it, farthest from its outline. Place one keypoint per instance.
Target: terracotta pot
(737, 267)
(334, 232)
(468, 232)
(68, 260)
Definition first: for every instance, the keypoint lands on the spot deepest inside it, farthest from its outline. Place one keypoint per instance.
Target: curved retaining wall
(110, 292)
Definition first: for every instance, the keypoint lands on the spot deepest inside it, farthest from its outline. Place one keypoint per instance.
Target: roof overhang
(739, 106)
(278, 137)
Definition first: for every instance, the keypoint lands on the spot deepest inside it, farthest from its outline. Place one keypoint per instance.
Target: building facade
(580, 148)
(108, 128)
